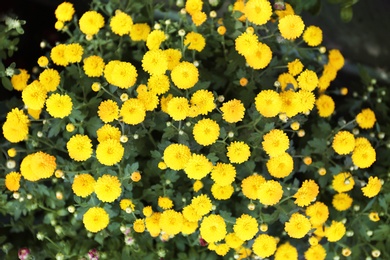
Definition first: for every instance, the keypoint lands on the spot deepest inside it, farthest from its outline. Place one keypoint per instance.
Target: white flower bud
(11, 164)
(135, 136)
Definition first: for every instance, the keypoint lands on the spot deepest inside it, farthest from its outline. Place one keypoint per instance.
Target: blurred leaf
(346, 14)
(381, 233)
(6, 83)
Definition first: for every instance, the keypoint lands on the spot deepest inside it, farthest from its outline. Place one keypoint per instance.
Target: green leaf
(6, 83)
(55, 128)
(381, 233)
(171, 175)
(227, 216)
(346, 14)
(318, 145)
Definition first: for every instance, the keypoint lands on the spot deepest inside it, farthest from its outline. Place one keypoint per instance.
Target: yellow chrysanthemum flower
(197, 186)
(158, 84)
(176, 156)
(374, 216)
(213, 228)
(96, 219)
(343, 182)
(185, 75)
(171, 222)
(233, 111)
(173, 57)
(195, 41)
(178, 108)
(342, 201)
(287, 11)
(139, 32)
(64, 12)
(149, 99)
(246, 44)
(268, 103)
(287, 81)
(12, 181)
(206, 131)
(19, 81)
(275, 142)
(15, 128)
(34, 95)
(295, 67)
(372, 188)
(121, 74)
(343, 142)
(108, 111)
(316, 252)
(109, 152)
(91, 22)
(307, 100)
(73, 52)
(57, 54)
(133, 111)
(164, 202)
(193, 6)
(258, 12)
(364, 155)
(270, 192)
(318, 213)
(59, 106)
(290, 103)
(233, 241)
(312, 36)
(108, 188)
(38, 166)
(306, 193)
(246, 227)
(260, 57)
(83, 185)
(139, 225)
(201, 204)
(297, 226)
(198, 166)
(26, 170)
(222, 192)
(280, 166)
(286, 252)
(223, 174)
(291, 26)
(190, 214)
(250, 186)
(152, 224)
(93, 66)
(238, 6)
(238, 152)
(50, 79)
(366, 118)
(79, 147)
(336, 59)
(307, 80)
(325, 105)
(264, 245)
(198, 18)
(335, 231)
(189, 227)
(155, 62)
(203, 100)
(121, 23)
(154, 39)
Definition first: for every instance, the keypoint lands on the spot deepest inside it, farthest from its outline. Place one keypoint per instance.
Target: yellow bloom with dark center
(173, 57)
(108, 111)
(297, 226)
(222, 192)
(203, 100)
(83, 185)
(325, 105)
(178, 108)
(342, 201)
(275, 142)
(34, 95)
(343, 142)
(336, 59)
(372, 188)
(171, 222)
(57, 54)
(59, 106)
(313, 36)
(155, 62)
(316, 252)
(139, 32)
(96, 219)
(158, 84)
(264, 245)
(233, 241)
(109, 152)
(19, 81)
(280, 166)
(189, 213)
(213, 228)
(79, 147)
(366, 119)
(238, 152)
(176, 156)
(291, 26)
(286, 252)
(107, 132)
(91, 22)
(295, 67)
(198, 166)
(121, 23)
(335, 231)
(288, 81)
(250, 186)
(307, 80)
(318, 213)
(93, 66)
(185, 75)
(270, 192)
(258, 12)
(307, 100)
(223, 174)
(64, 12)
(290, 103)
(246, 227)
(202, 204)
(268, 103)
(12, 181)
(193, 6)
(73, 52)
(260, 57)
(198, 18)
(139, 225)
(15, 127)
(195, 41)
(363, 155)
(343, 182)
(154, 39)
(165, 202)
(133, 111)
(306, 193)
(121, 74)
(206, 131)
(246, 44)
(108, 188)
(50, 79)
(233, 111)
(373, 216)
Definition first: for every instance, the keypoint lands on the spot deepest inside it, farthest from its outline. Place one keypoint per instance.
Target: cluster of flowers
(217, 143)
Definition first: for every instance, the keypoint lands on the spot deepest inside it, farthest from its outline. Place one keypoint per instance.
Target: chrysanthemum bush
(199, 130)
